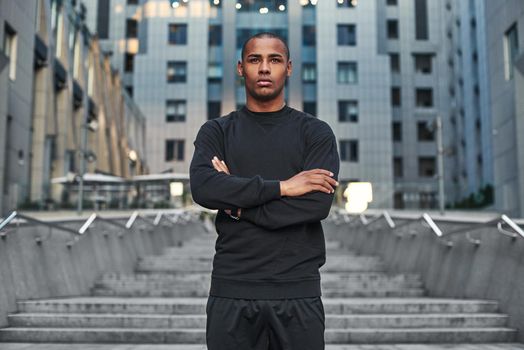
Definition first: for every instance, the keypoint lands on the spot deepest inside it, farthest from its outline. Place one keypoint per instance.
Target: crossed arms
(271, 204)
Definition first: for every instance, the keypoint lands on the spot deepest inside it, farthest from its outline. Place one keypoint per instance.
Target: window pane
(347, 73)
(309, 35)
(176, 72)
(348, 111)
(424, 98)
(309, 73)
(175, 110)
(346, 34)
(392, 28)
(177, 34)
(421, 20)
(215, 35)
(213, 109)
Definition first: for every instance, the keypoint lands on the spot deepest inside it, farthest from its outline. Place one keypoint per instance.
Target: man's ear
(240, 69)
(289, 68)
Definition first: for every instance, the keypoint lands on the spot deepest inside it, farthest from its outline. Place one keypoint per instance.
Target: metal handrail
(513, 225)
(131, 220)
(436, 230)
(16, 214)
(87, 224)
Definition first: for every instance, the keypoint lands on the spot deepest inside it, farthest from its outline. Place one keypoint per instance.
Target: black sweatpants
(260, 324)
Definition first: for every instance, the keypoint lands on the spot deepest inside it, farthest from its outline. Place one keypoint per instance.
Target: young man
(270, 170)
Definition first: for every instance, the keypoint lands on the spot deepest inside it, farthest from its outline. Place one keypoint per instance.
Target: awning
(89, 179)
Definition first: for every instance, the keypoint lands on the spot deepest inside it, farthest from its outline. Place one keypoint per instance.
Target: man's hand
(221, 166)
(308, 181)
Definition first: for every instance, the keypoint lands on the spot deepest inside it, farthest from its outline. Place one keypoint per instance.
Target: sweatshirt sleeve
(217, 190)
(311, 207)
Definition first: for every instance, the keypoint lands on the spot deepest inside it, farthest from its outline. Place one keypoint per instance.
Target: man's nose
(264, 67)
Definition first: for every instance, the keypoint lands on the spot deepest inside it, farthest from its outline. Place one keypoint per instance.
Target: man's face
(265, 68)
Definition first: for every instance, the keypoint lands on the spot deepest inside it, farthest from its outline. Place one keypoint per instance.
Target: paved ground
(21, 346)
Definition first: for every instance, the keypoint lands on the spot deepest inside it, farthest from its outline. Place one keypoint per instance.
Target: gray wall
(491, 271)
(31, 271)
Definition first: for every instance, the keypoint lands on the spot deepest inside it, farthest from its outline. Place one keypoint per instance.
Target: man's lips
(264, 82)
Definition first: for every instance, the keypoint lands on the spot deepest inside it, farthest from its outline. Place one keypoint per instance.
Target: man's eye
(253, 60)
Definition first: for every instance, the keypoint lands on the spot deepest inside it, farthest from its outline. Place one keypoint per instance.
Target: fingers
(220, 165)
(326, 182)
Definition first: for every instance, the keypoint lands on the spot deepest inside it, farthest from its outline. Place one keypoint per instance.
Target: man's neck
(265, 106)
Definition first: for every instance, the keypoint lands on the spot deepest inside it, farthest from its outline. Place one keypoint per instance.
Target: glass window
(131, 28)
(177, 34)
(348, 111)
(423, 63)
(309, 35)
(347, 73)
(214, 72)
(511, 49)
(392, 28)
(424, 133)
(213, 109)
(397, 131)
(310, 107)
(346, 35)
(129, 62)
(348, 150)
(309, 73)
(398, 167)
(259, 5)
(421, 20)
(176, 72)
(396, 98)
(174, 150)
(391, 2)
(175, 111)
(10, 49)
(215, 35)
(424, 97)
(394, 62)
(427, 166)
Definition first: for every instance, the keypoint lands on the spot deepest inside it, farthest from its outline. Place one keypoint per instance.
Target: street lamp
(436, 125)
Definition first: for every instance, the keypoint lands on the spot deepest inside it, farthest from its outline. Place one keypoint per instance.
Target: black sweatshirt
(277, 247)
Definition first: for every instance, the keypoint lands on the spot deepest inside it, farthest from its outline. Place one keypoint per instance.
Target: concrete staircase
(164, 302)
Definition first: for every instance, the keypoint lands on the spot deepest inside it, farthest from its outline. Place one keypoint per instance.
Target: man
(270, 170)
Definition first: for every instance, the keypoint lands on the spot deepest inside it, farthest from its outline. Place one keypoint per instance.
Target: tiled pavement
(23, 346)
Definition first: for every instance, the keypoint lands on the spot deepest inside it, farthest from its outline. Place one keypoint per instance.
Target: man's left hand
(221, 166)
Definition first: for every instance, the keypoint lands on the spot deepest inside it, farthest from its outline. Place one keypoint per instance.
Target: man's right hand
(308, 181)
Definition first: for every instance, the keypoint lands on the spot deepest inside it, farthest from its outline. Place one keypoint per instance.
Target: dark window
(392, 27)
(398, 200)
(129, 62)
(511, 43)
(427, 166)
(132, 2)
(309, 73)
(394, 62)
(424, 98)
(398, 167)
(347, 3)
(309, 36)
(310, 108)
(176, 71)
(102, 24)
(129, 90)
(215, 35)
(346, 35)
(213, 109)
(348, 150)
(427, 200)
(392, 2)
(348, 111)
(397, 131)
(177, 34)
(421, 20)
(423, 63)
(347, 73)
(424, 133)
(175, 111)
(174, 150)
(131, 28)
(396, 97)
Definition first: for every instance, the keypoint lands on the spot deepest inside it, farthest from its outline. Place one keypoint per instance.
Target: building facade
(63, 111)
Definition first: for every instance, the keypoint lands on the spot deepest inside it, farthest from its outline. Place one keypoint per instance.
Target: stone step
(177, 306)
(189, 291)
(55, 346)
(84, 320)
(197, 336)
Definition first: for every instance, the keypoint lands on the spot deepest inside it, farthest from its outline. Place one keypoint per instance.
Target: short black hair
(261, 36)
